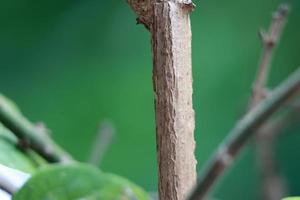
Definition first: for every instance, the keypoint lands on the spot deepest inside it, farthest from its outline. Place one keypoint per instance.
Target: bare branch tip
(282, 11)
(284, 8)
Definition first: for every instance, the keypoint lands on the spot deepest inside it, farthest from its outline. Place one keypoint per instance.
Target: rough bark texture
(169, 24)
(173, 100)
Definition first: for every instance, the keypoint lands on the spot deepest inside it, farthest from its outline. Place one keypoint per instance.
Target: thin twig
(101, 142)
(276, 126)
(273, 183)
(242, 132)
(269, 40)
(30, 135)
(273, 187)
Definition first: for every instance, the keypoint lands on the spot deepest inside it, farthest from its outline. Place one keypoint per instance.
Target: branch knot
(143, 10)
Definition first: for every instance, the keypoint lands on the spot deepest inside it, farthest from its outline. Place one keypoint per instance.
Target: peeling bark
(169, 24)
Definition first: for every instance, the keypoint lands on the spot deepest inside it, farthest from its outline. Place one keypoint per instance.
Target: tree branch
(273, 187)
(269, 40)
(30, 135)
(273, 184)
(102, 141)
(275, 127)
(169, 25)
(242, 132)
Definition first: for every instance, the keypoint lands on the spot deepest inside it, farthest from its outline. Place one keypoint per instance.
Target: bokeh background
(75, 63)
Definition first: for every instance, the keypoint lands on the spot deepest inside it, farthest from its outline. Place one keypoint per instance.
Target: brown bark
(169, 24)
(173, 100)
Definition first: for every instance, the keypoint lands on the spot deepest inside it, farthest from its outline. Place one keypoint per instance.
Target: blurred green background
(75, 63)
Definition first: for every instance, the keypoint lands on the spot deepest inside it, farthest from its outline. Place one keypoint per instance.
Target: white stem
(11, 179)
(4, 195)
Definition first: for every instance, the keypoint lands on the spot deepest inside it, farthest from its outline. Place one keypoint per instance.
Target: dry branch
(273, 184)
(242, 132)
(101, 143)
(169, 24)
(275, 127)
(273, 187)
(269, 40)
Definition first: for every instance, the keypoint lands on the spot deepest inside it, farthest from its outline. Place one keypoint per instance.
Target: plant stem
(169, 24)
(11, 179)
(30, 135)
(242, 132)
(272, 184)
(269, 40)
(4, 195)
(101, 143)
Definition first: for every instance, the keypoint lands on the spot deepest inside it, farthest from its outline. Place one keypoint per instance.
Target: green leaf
(61, 182)
(122, 189)
(291, 198)
(78, 182)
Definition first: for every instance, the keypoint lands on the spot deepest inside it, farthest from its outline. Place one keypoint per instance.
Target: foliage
(55, 181)
(78, 181)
